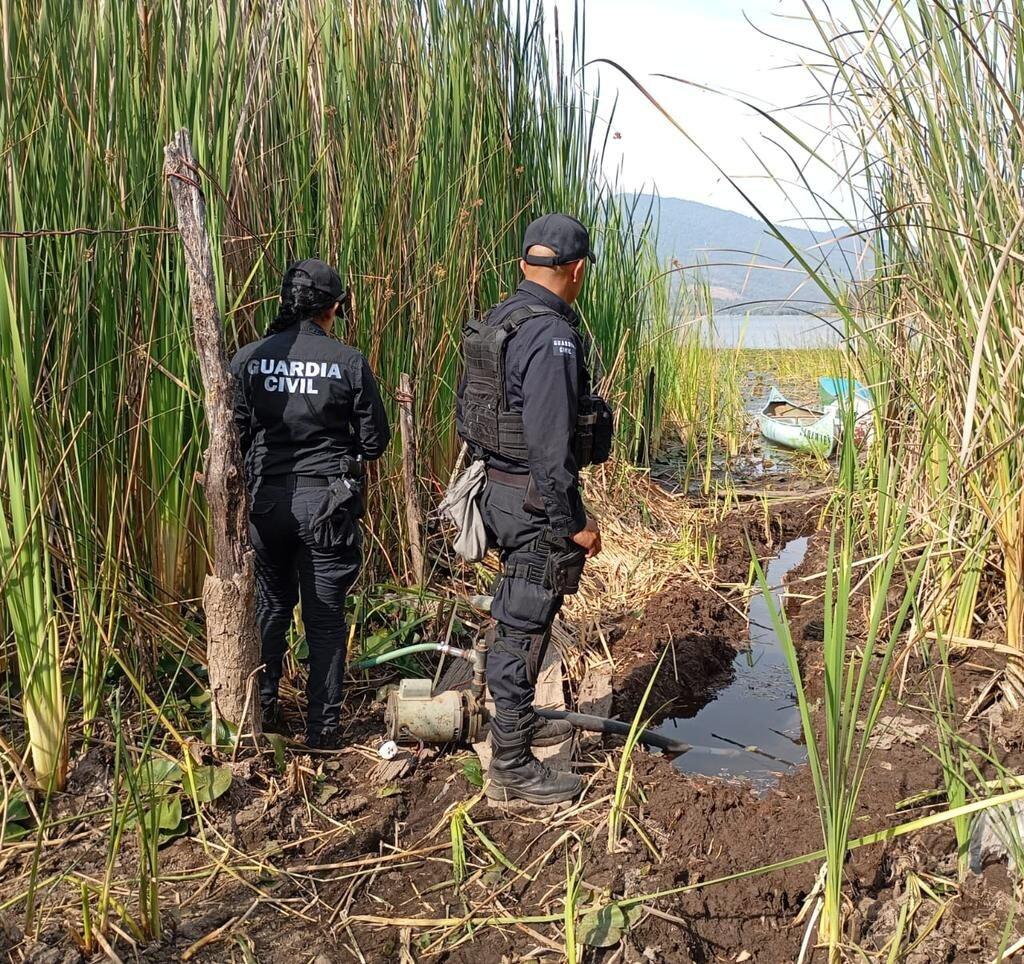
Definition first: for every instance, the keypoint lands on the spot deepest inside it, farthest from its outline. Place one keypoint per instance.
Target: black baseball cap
(324, 282)
(563, 234)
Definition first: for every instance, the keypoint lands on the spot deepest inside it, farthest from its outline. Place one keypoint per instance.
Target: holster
(332, 523)
(563, 565)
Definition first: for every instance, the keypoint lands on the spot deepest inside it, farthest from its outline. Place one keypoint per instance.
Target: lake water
(776, 331)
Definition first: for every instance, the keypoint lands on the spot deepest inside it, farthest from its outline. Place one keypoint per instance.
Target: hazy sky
(707, 42)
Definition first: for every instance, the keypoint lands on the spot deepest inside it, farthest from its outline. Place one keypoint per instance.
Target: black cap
(324, 282)
(563, 234)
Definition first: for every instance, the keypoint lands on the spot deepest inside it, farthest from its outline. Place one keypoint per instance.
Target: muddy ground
(322, 862)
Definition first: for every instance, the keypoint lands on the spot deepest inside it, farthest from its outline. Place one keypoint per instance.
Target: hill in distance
(747, 268)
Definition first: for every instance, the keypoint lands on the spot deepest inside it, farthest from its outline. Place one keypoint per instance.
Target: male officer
(525, 408)
(309, 413)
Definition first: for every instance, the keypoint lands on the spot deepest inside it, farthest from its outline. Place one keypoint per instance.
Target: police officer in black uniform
(309, 415)
(525, 407)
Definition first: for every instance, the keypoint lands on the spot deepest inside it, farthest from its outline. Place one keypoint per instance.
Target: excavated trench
(754, 716)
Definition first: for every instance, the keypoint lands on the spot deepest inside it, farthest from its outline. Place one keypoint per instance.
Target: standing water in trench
(757, 709)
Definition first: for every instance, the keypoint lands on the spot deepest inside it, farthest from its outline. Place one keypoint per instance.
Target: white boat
(797, 427)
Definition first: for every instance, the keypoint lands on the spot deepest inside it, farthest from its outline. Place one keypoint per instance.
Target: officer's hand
(589, 538)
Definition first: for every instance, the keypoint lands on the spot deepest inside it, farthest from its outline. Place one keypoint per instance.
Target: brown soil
(702, 626)
(319, 828)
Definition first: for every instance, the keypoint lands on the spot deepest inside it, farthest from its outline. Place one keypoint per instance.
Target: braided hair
(308, 289)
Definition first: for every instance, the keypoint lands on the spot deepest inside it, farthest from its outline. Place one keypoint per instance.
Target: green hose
(408, 651)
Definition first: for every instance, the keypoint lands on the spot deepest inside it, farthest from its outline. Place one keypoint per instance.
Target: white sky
(707, 42)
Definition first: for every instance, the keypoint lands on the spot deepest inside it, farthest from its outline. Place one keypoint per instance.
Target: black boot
(550, 732)
(272, 719)
(516, 774)
(325, 741)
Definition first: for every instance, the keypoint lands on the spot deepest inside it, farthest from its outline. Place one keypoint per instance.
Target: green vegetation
(923, 104)
(415, 173)
(409, 144)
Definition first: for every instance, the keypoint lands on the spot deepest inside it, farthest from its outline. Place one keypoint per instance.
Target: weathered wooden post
(232, 642)
(413, 516)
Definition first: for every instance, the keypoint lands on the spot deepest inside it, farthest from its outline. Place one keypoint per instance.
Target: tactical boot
(550, 732)
(326, 741)
(272, 719)
(516, 774)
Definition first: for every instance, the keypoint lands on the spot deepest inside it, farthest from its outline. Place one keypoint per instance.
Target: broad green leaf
(604, 927)
(210, 783)
(17, 809)
(227, 734)
(13, 831)
(472, 772)
(277, 741)
(168, 812)
(158, 774)
(166, 836)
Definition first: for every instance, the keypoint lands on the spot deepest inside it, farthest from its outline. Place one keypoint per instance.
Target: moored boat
(798, 427)
(832, 389)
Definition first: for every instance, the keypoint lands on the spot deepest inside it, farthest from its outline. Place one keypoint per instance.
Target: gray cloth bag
(461, 505)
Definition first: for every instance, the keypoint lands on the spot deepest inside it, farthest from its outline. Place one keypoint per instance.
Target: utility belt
(350, 467)
(333, 520)
(555, 563)
(519, 480)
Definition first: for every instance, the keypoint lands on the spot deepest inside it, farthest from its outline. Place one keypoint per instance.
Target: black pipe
(598, 724)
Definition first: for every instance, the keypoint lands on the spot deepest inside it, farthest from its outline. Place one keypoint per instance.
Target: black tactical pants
(522, 608)
(291, 562)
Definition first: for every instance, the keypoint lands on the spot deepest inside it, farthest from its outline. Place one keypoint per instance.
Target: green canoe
(796, 427)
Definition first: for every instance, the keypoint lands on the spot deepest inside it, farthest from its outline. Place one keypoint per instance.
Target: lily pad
(604, 927)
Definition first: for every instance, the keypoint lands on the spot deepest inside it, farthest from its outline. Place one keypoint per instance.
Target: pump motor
(415, 714)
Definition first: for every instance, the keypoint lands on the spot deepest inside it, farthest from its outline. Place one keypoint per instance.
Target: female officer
(309, 414)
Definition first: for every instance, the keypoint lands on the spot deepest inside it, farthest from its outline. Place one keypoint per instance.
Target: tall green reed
(407, 143)
(928, 104)
(26, 560)
(867, 560)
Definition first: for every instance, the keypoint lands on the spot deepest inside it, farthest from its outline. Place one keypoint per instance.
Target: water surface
(757, 709)
(776, 331)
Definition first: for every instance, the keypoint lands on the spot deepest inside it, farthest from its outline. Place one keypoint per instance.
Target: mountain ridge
(746, 267)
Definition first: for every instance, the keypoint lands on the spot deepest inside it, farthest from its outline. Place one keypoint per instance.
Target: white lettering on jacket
(294, 377)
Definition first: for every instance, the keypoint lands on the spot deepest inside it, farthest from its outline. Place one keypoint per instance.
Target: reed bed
(923, 105)
(407, 143)
(929, 107)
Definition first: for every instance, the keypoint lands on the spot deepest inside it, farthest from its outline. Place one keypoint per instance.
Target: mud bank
(324, 862)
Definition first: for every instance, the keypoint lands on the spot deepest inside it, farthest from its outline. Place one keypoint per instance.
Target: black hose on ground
(598, 724)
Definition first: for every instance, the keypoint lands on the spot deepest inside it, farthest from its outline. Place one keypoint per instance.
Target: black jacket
(303, 401)
(545, 378)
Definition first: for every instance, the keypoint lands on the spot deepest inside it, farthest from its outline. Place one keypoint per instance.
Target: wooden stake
(232, 643)
(413, 517)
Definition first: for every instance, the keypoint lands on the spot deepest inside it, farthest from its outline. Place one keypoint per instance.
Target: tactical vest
(487, 419)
